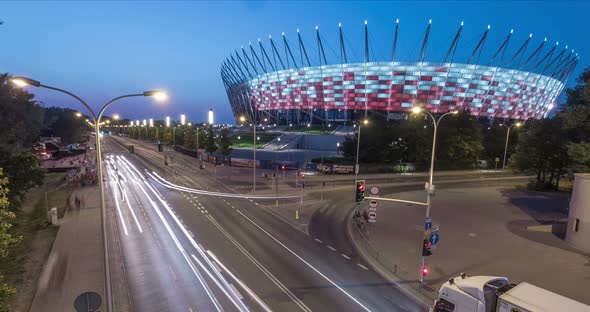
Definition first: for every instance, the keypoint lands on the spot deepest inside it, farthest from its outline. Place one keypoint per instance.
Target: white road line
(306, 263)
(261, 267)
(318, 240)
(120, 213)
(191, 233)
(132, 211)
(331, 248)
(345, 256)
(236, 291)
(172, 272)
(362, 266)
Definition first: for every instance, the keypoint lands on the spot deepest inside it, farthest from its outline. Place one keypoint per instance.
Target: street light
(210, 116)
(78, 114)
(243, 119)
(358, 145)
(182, 119)
(518, 124)
(116, 117)
(430, 190)
(159, 95)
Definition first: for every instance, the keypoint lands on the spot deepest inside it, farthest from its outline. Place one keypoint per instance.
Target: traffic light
(426, 248)
(425, 271)
(360, 191)
(283, 167)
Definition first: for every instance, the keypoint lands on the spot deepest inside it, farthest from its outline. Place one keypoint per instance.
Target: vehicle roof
(535, 298)
(473, 285)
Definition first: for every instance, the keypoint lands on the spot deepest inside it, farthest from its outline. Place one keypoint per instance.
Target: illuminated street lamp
(182, 119)
(518, 125)
(358, 145)
(159, 95)
(78, 114)
(254, 139)
(210, 116)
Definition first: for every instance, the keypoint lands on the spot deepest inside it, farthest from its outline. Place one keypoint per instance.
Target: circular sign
(372, 215)
(87, 302)
(374, 190)
(373, 203)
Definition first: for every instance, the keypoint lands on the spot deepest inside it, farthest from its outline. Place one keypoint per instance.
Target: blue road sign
(434, 238)
(427, 224)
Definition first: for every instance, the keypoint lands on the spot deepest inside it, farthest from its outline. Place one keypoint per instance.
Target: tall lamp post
(518, 124)
(242, 120)
(160, 95)
(430, 189)
(358, 145)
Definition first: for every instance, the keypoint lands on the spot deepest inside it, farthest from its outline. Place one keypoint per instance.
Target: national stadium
(287, 81)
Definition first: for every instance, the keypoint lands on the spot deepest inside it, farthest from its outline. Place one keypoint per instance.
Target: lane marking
(306, 263)
(331, 248)
(318, 240)
(236, 291)
(345, 256)
(261, 267)
(362, 266)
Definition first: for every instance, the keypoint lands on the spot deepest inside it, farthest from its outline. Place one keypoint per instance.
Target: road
(261, 262)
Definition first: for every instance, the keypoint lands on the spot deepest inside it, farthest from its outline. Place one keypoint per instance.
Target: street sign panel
(427, 223)
(373, 203)
(434, 238)
(374, 190)
(372, 216)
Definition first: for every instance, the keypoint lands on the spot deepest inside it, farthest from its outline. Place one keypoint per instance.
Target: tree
(224, 143)
(21, 117)
(23, 172)
(6, 240)
(168, 139)
(189, 138)
(210, 145)
(63, 123)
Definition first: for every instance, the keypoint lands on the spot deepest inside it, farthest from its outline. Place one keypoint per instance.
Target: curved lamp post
(430, 189)
(159, 95)
(242, 120)
(358, 145)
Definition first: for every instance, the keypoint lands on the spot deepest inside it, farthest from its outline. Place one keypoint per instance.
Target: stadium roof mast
(479, 46)
(321, 54)
(539, 48)
(249, 61)
(501, 50)
(366, 61)
(425, 42)
(302, 50)
(453, 47)
(275, 53)
(263, 51)
(394, 49)
(288, 50)
(243, 64)
(520, 50)
(343, 59)
(255, 56)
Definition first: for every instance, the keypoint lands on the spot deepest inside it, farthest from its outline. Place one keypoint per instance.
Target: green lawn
(246, 139)
(313, 129)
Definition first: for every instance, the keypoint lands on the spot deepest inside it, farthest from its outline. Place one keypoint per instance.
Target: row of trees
(185, 136)
(462, 140)
(559, 146)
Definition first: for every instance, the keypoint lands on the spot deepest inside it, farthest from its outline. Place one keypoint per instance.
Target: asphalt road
(281, 268)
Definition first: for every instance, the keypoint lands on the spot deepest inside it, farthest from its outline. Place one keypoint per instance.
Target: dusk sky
(100, 50)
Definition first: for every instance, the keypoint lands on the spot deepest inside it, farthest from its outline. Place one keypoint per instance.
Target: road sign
(373, 203)
(87, 302)
(374, 190)
(427, 223)
(372, 216)
(434, 238)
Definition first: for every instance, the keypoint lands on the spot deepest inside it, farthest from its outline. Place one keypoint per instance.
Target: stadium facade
(281, 86)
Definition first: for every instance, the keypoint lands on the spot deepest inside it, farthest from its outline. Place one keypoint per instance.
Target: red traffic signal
(425, 271)
(360, 191)
(426, 248)
(283, 167)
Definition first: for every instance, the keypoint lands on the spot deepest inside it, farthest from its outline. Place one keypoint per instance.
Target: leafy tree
(189, 138)
(23, 172)
(63, 123)
(210, 145)
(459, 141)
(21, 117)
(168, 136)
(224, 143)
(6, 240)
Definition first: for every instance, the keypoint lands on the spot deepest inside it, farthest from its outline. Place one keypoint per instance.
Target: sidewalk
(75, 264)
(483, 232)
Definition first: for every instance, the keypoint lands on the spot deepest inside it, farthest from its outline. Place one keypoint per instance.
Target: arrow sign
(373, 203)
(434, 238)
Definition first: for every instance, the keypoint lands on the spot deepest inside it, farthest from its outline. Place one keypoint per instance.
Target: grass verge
(24, 263)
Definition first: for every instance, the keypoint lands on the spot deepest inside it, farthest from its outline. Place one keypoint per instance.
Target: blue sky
(102, 49)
